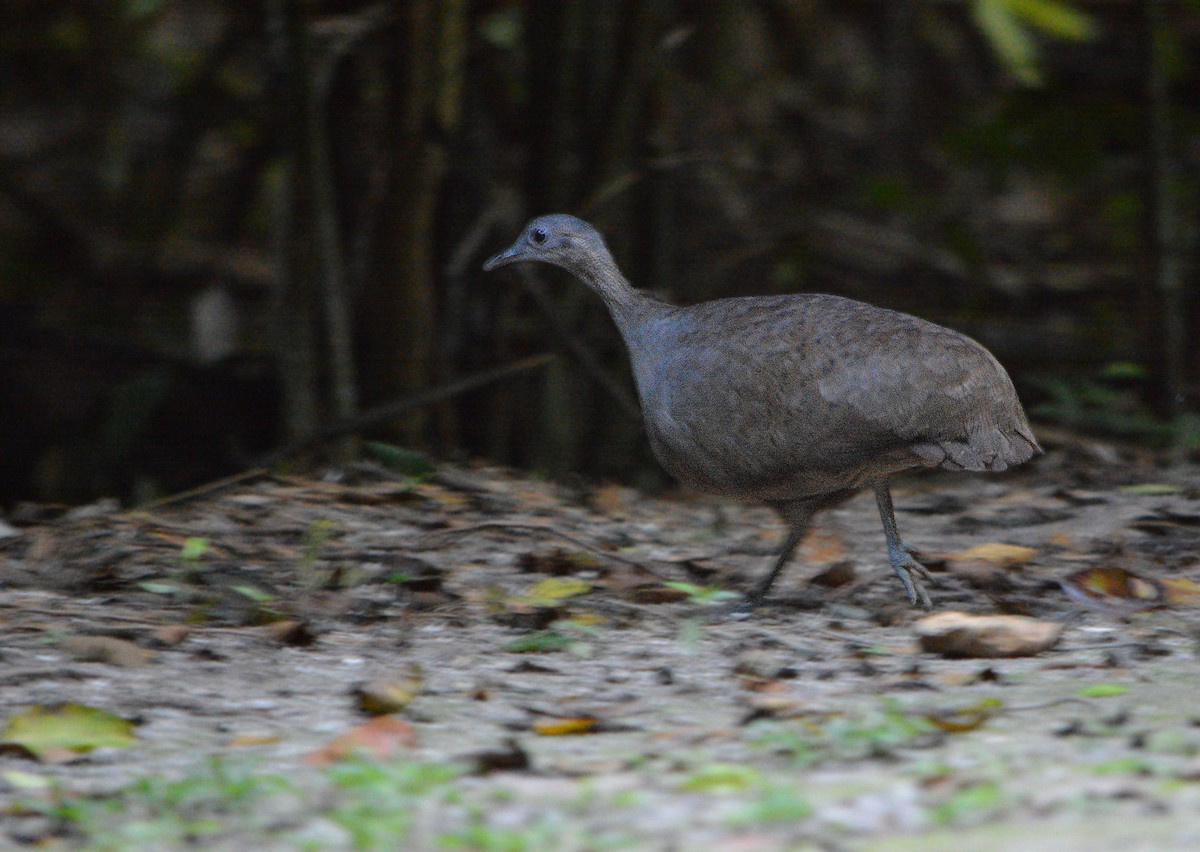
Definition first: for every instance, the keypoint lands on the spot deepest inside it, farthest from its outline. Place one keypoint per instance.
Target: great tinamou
(798, 401)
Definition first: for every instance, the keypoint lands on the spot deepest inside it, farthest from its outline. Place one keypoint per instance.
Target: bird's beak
(512, 254)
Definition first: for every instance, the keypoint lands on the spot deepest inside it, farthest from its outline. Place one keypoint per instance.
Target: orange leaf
(1099, 583)
(564, 727)
(380, 738)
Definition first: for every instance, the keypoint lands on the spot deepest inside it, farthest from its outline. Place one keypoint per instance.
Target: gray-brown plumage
(798, 401)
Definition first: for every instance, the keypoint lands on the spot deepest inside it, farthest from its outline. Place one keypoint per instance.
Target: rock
(959, 634)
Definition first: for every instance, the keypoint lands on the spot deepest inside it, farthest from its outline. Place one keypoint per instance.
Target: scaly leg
(900, 554)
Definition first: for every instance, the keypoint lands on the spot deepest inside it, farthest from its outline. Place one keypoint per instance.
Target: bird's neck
(629, 307)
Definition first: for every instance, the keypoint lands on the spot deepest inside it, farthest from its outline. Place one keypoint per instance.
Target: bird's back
(785, 396)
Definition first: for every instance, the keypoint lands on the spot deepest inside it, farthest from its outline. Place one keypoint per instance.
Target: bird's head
(559, 239)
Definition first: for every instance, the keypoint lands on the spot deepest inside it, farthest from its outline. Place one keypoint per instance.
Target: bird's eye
(538, 236)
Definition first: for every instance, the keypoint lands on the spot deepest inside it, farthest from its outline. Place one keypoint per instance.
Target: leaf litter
(558, 644)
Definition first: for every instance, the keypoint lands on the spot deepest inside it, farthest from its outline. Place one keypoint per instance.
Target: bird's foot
(911, 572)
(737, 610)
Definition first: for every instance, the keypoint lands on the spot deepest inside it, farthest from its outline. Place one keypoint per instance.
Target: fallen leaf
(837, 574)
(48, 732)
(657, 593)
(1180, 591)
(1005, 555)
(962, 719)
(727, 777)
(170, 635)
(1113, 587)
(612, 499)
(563, 727)
(391, 693)
(1103, 690)
(822, 546)
(512, 758)
(380, 738)
(1152, 489)
(959, 634)
(243, 740)
(543, 641)
(291, 632)
(107, 649)
(553, 589)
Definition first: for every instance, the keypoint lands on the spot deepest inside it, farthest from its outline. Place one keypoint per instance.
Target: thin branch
(391, 410)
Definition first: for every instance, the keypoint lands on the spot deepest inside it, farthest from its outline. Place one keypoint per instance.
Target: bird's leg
(759, 593)
(899, 553)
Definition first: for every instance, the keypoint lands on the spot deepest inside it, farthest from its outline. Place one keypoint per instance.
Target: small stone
(959, 634)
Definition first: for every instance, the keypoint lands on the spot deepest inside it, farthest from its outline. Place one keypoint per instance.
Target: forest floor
(549, 692)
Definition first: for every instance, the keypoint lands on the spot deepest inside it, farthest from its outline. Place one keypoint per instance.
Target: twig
(393, 409)
(206, 488)
(508, 525)
(570, 341)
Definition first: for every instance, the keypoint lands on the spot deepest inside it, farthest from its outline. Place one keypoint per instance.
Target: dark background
(226, 225)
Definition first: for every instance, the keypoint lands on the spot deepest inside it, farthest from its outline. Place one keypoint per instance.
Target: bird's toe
(911, 572)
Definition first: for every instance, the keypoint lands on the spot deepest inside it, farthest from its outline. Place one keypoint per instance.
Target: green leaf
(159, 588)
(1151, 489)
(544, 641)
(75, 727)
(1008, 38)
(1055, 18)
(723, 776)
(194, 548)
(1103, 690)
(554, 589)
(254, 593)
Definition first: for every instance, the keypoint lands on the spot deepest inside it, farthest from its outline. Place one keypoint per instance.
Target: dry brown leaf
(837, 574)
(245, 740)
(170, 635)
(959, 634)
(821, 546)
(107, 649)
(381, 738)
(1114, 587)
(1004, 555)
(1180, 591)
(391, 693)
(657, 593)
(291, 633)
(612, 500)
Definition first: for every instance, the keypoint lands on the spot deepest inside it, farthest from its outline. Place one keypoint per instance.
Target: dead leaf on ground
(380, 738)
(391, 693)
(657, 593)
(559, 562)
(291, 632)
(959, 720)
(837, 574)
(107, 649)
(170, 635)
(59, 733)
(822, 546)
(1113, 588)
(512, 758)
(959, 634)
(554, 589)
(1004, 555)
(565, 726)
(246, 740)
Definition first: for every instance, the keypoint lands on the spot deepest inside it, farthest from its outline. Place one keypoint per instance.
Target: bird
(799, 401)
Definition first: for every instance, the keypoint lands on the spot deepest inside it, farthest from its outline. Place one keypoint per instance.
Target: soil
(630, 705)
